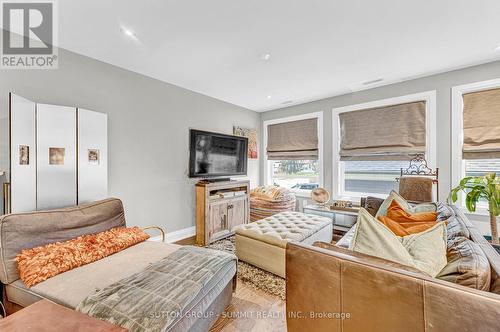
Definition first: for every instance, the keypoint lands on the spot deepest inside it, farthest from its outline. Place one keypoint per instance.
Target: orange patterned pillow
(41, 263)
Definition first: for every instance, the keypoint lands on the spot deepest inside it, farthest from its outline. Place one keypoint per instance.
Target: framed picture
(93, 157)
(251, 134)
(24, 155)
(56, 156)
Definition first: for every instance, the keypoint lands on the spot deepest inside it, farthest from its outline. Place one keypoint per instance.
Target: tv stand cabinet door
(217, 223)
(237, 212)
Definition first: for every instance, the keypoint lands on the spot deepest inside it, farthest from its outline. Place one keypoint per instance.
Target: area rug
(251, 275)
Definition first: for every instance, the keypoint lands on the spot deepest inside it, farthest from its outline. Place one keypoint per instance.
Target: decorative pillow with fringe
(41, 263)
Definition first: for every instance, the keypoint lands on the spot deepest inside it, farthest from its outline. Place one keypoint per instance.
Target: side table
(342, 218)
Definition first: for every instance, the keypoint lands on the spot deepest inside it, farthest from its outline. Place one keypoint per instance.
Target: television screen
(213, 154)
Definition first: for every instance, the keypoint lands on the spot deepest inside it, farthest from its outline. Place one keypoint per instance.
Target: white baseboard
(172, 237)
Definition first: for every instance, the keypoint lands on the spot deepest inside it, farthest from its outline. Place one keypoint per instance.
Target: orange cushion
(403, 223)
(41, 263)
(397, 213)
(406, 228)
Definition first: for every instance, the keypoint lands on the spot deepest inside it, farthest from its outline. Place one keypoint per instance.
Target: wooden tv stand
(219, 207)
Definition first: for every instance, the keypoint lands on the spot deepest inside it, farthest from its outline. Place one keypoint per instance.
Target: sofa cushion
(29, 230)
(41, 263)
(346, 240)
(456, 227)
(419, 208)
(406, 228)
(467, 264)
(425, 251)
(375, 204)
(403, 223)
(72, 287)
(397, 213)
(372, 204)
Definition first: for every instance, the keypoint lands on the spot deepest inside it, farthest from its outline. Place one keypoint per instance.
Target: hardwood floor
(187, 241)
(252, 310)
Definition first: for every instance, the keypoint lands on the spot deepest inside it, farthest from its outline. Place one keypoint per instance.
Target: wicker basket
(270, 200)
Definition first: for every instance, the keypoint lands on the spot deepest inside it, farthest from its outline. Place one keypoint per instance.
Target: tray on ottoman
(263, 243)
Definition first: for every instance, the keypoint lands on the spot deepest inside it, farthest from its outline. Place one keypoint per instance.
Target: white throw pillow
(425, 207)
(425, 251)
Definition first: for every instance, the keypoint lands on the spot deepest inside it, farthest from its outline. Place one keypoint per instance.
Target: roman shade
(296, 140)
(482, 125)
(395, 132)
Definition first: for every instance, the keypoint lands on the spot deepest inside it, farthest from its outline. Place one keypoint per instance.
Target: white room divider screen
(58, 155)
(22, 154)
(92, 156)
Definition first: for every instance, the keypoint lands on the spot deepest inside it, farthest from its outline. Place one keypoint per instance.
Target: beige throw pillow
(425, 207)
(425, 251)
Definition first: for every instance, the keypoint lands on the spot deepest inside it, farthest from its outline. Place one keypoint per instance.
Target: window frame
(457, 134)
(338, 174)
(268, 165)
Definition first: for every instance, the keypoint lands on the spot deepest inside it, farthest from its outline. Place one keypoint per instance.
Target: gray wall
(442, 83)
(148, 131)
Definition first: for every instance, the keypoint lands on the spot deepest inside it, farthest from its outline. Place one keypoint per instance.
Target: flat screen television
(216, 155)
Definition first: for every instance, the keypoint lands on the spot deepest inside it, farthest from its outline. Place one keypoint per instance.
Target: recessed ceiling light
(269, 97)
(265, 56)
(497, 48)
(129, 33)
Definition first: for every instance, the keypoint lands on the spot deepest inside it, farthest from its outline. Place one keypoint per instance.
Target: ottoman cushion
(283, 227)
(263, 243)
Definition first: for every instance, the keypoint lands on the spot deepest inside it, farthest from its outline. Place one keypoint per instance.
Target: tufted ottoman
(263, 243)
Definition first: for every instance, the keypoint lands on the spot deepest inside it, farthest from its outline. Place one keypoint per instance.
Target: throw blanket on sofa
(153, 299)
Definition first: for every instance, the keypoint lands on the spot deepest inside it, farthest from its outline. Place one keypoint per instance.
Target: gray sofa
(28, 230)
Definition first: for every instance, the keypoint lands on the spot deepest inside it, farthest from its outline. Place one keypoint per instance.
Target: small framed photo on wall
(56, 156)
(24, 155)
(93, 157)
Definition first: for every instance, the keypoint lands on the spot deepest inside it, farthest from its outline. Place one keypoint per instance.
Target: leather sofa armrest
(333, 289)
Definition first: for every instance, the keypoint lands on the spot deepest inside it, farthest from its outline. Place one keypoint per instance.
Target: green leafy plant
(481, 187)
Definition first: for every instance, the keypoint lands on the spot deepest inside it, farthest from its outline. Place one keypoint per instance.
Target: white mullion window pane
(297, 175)
(481, 167)
(372, 177)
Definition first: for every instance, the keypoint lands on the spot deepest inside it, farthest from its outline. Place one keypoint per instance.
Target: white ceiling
(318, 48)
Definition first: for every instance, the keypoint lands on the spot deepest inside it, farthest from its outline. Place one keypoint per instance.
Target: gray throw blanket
(158, 296)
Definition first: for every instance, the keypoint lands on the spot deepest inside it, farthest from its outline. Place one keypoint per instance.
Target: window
(482, 167)
(294, 152)
(298, 175)
(475, 128)
(372, 177)
(373, 141)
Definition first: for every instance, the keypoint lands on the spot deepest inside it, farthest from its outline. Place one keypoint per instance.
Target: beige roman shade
(482, 125)
(394, 132)
(296, 140)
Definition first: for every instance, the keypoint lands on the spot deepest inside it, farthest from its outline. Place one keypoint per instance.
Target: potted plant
(482, 187)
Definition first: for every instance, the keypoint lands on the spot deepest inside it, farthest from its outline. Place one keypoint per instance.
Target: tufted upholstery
(283, 227)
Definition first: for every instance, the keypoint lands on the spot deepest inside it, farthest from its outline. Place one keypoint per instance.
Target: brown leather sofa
(334, 289)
